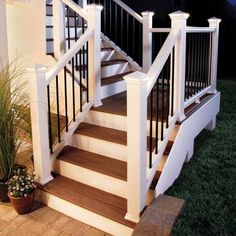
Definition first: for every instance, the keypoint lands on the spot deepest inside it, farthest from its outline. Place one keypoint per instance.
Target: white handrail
(129, 10)
(64, 60)
(191, 29)
(75, 7)
(161, 58)
(159, 30)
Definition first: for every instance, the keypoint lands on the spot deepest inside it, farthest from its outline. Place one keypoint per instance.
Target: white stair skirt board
(92, 178)
(188, 131)
(115, 121)
(83, 215)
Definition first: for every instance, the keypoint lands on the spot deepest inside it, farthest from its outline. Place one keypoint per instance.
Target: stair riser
(115, 121)
(112, 70)
(83, 215)
(112, 89)
(105, 55)
(113, 185)
(99, 146)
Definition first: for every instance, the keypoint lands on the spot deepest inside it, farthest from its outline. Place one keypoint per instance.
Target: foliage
(22, 183)
(14, 118)
(208, 182)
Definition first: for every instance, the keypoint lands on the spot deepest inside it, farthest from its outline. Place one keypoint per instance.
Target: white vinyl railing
(41, 79)
(140, 86)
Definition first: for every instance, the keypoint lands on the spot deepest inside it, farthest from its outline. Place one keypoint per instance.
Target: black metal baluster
(80, 79)
(162, 106)
(83, 51)
(172, 81)
(133, 38)
(104, 17)
(73, 88)
(58, 112)
(68, 27)
(75, 22)
(116, 22)
(110, 18)
(210, 60)
(65, 94)
(151, 129)
(168, 93)
(157, 119)
(121, 27)
(49, 120)
(127, 33)
(87, 74)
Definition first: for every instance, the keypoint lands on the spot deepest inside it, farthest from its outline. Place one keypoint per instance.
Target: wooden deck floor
(42, 221)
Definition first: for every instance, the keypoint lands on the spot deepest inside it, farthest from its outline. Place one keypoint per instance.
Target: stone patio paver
(42, 221)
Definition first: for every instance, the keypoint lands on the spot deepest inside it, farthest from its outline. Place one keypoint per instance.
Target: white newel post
(94, 46)
(136, 144)
(214, 23)
(39, 124)
(179, 21)
(59, 37)
(147, 40)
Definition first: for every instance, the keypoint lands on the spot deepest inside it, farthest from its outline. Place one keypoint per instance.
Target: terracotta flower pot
(3, 191)
(22, 205)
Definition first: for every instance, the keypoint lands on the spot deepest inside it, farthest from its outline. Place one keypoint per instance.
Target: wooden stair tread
(114, 78)
(168, 148)
(102, 164)
(103, 64)
(155, 180)
(117, 105)
(106, 134)
(92, 199)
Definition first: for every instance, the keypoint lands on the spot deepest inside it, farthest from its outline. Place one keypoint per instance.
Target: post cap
(145, 13)
(37, 67)
(95, 6)
(214, 20)
(179, 15)
(136, 77)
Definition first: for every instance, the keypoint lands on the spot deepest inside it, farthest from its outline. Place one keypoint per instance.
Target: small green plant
(14, 116)
(22, 183)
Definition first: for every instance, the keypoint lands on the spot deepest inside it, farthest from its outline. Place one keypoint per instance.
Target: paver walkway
(42, 221)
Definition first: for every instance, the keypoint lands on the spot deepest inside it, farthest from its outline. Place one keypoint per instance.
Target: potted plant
(14, 124)
(21, 190)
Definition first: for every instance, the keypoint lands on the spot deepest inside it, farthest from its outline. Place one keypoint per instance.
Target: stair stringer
(182, 146)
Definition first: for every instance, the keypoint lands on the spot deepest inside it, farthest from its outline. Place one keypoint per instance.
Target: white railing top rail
(64, 60)
(191, 29)
(159, 30)
(76, 8)
(161, 58)
(129, 10)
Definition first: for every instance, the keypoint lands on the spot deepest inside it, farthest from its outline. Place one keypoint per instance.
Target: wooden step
(106, 134)
(114, 78)
(104, 64)
(94, 162)
(92, 199)
(117, 105)
(168, 148)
